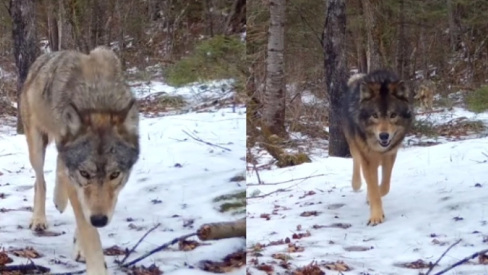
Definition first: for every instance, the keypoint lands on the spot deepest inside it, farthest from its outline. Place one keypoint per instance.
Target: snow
(193, 93)
(438, 195)
(173, 183)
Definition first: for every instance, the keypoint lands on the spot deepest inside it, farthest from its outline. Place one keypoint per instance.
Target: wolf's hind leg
(60, 191)
(37, 142)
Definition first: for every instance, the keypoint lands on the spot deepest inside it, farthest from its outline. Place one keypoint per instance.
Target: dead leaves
(115, 250)
(142, 270)
(337, 266)
(418, 264)
(188, 245)
(230, 262)
(27, 252)
(311, 269)
(309, 213)
(4, 258)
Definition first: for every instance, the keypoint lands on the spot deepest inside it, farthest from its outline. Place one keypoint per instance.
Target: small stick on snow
(442, 256)
(462, 261)
(286, 181)
(270, 193)
(255, 167)
(159, 248)
(222, 230)
(137, 244)
(205, 142)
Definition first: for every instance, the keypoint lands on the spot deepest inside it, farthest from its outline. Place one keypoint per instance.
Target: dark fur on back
(380, 93)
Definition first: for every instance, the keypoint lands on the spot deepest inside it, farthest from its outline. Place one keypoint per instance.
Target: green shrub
(219, 57)
(477, 100)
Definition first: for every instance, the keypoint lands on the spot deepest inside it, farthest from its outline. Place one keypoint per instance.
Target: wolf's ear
(399, 89)
(130, 116)
(368, 90)
(72, 118)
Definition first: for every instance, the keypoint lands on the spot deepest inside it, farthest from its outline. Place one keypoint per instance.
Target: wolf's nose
(98, 220)
(384, 136)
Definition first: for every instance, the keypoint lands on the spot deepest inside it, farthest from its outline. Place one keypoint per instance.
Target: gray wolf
(425, 94)
(81, 102)
(377, 115)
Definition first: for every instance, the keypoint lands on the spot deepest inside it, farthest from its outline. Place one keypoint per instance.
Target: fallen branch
(222, 230)
(429, 112)
(205, 142)
(137, 244)
(462, 261)
(286, 181)
(159, 248)
(442, 256)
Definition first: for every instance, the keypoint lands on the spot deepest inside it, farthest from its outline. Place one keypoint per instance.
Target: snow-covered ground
(439, 194)
(174, 183)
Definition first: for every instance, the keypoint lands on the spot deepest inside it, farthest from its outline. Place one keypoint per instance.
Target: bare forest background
(177, 41)
(443, 41)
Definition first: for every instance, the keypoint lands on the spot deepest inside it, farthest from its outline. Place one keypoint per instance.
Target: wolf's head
(385, 109)
(98, 151)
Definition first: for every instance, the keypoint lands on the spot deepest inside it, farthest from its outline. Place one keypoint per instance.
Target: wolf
(378, 112)
(82, 103)
(425, 94)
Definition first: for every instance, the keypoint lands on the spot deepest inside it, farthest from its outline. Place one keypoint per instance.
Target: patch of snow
(438, 195)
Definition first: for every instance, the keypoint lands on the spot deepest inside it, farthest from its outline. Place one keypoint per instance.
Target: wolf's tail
(355, 78)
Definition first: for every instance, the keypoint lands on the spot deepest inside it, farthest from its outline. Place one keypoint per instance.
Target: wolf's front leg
(370, 172)
(87, 240)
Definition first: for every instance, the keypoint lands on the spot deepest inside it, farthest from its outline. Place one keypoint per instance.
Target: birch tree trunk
(373, 34)
(274, 95)
(334, 41)
(24, 35)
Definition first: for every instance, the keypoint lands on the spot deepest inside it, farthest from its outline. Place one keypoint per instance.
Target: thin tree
(25, 44)
(274, 95)
(334, 41)
(373, 33)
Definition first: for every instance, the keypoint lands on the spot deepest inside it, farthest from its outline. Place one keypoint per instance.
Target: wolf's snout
(384, 137)
(99, 220)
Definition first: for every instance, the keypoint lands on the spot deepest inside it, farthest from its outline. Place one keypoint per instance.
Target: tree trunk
(274, 96)
(25, 44)
(237, 18)
(372, 30)
(402, 43)
(334, 41)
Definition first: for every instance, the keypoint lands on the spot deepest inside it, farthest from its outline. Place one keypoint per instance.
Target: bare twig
(254, 166)
(137, 244)
(474, 255)
(442, 256)
(286, 181)
(159, 248)
(270, 193)
(205, 142)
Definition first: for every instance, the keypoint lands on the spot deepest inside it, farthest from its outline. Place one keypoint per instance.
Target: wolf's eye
(375, 115)
(114, 175)
(393, 115)
(85, 174)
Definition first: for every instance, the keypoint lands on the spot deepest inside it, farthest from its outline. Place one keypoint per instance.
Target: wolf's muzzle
(99, 220)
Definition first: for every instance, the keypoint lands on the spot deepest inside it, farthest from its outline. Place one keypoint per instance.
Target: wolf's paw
(78, 254)
(38, 223)
(97, 271)
(376, 219)
(356, 184)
